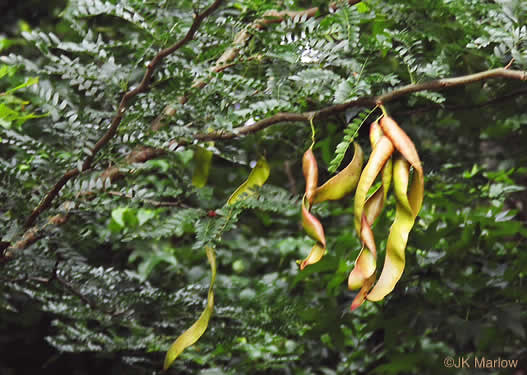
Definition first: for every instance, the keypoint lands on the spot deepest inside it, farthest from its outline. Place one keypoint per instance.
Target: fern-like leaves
(350, 133)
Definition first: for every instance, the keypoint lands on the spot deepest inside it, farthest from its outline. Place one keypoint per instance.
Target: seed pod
(367, 211)
(311, 224)
(407, 208)
(191, 335)
(365, 264)
(401, 141)
(361, 296)
(317, 252)
(406, 147)
(203, 160)
(310, 169)
(344, 182)
(375, 133)
(257, 177)
(380, 154)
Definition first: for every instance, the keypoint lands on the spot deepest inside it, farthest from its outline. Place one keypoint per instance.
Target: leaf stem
(313, 132)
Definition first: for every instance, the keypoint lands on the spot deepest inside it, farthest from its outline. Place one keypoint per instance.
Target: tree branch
(32, 234)
(435, 85)
(143, 86)
(441, 84)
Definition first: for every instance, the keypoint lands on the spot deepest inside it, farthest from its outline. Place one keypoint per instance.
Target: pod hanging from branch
(310, 170)
(191, 335)
(386, 137)
(363, 274)
(310, 223)
(408, 205)
(335, 188)
(202, 163)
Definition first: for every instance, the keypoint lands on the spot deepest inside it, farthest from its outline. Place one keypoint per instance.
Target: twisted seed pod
(375, 135)
(344, 182)
(408, 205)
(366, 212)
(403, 144)
(366, 261)
(310, 169)
(407, 208)
(311, 224)
(380, 154)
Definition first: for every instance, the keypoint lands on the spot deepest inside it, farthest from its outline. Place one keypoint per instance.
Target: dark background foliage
(124, 273)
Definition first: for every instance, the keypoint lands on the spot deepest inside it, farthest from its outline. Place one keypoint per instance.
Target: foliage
(125, 271)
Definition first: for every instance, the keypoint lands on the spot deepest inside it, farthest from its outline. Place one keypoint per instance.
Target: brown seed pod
(310, 169)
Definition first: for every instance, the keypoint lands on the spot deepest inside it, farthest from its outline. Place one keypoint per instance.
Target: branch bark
(435, 85)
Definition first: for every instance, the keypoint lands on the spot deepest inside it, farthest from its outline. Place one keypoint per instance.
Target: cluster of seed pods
(393, 153)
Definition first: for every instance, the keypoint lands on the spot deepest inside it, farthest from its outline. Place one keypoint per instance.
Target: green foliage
(126, 272)
(350, 133)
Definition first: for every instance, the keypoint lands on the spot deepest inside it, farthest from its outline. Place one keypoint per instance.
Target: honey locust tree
(140, 138)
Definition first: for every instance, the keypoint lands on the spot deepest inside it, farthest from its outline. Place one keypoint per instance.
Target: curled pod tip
(365, 267)
(317, 252)
(363, 292)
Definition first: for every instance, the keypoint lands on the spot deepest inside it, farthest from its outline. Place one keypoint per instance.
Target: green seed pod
(257, 177)
(317, 252)
(375, 133)
(203, 160)
(344, 182)
(380, 155)
(407, 208)
(192, 334)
